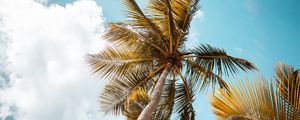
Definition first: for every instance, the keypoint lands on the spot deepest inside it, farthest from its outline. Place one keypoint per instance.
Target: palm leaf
(116, 62)
(159, 15)
(121, 34)
(184, 10)
(260, 99)
(139, 98)
(255, 100)
(140, 20)
(171, 25)
(288, 84)
(135, 103)
(184, 98)
(173, 17)
(218, 61)
(202, 77)
(165, 108)
(117, 90)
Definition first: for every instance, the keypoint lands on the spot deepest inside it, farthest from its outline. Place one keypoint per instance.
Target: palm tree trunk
(151, 106)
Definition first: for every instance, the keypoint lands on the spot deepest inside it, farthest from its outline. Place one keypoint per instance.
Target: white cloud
(46, 58)
(199, 14)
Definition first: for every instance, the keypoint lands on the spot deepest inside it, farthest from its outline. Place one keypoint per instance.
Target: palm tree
(148, 49)
(261, 99)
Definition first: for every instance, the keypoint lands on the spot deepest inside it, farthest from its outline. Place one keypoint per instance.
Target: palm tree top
(152, 40)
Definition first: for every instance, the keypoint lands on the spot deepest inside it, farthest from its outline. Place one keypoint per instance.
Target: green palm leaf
(202, 77)
(219, 61)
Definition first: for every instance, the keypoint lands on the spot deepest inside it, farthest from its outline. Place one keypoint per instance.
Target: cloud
(199, 14)
(44, 51)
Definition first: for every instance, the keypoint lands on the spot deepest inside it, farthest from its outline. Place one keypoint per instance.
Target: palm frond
(183, 106)
(260, 99)
(115, 93)
(218, 61)
(117, 90)
(120, 33)
(184, 98)
(165, 107)
(184, 10)
(140, 20)
(288, 84)
(139, 98)
(202, 77)
(173, 17)
(135, 103)
(159, 15)
(116, 62)
(171, 25)
(255, 100)
(126, 35)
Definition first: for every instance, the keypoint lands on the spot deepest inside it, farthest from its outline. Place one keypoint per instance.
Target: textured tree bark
(155, 98)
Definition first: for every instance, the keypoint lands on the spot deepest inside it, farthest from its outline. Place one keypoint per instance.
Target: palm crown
(148, 49)
(261, 99)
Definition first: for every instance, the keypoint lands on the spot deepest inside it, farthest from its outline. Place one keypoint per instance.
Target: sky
(43, 75)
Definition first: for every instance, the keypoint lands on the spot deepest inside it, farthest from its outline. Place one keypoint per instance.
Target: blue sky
(262, 31)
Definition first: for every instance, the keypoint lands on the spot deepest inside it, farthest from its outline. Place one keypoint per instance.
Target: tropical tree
(148, 49)
(261, 99)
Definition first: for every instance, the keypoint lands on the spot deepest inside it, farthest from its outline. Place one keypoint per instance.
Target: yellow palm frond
(253, 100)
(173, 17)
(140, 20)
(183, 11)
(288, 82)
(159, 15)
(139, 98)
(135, 103)
(121, 34)
(116, 62)
(260, 99)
